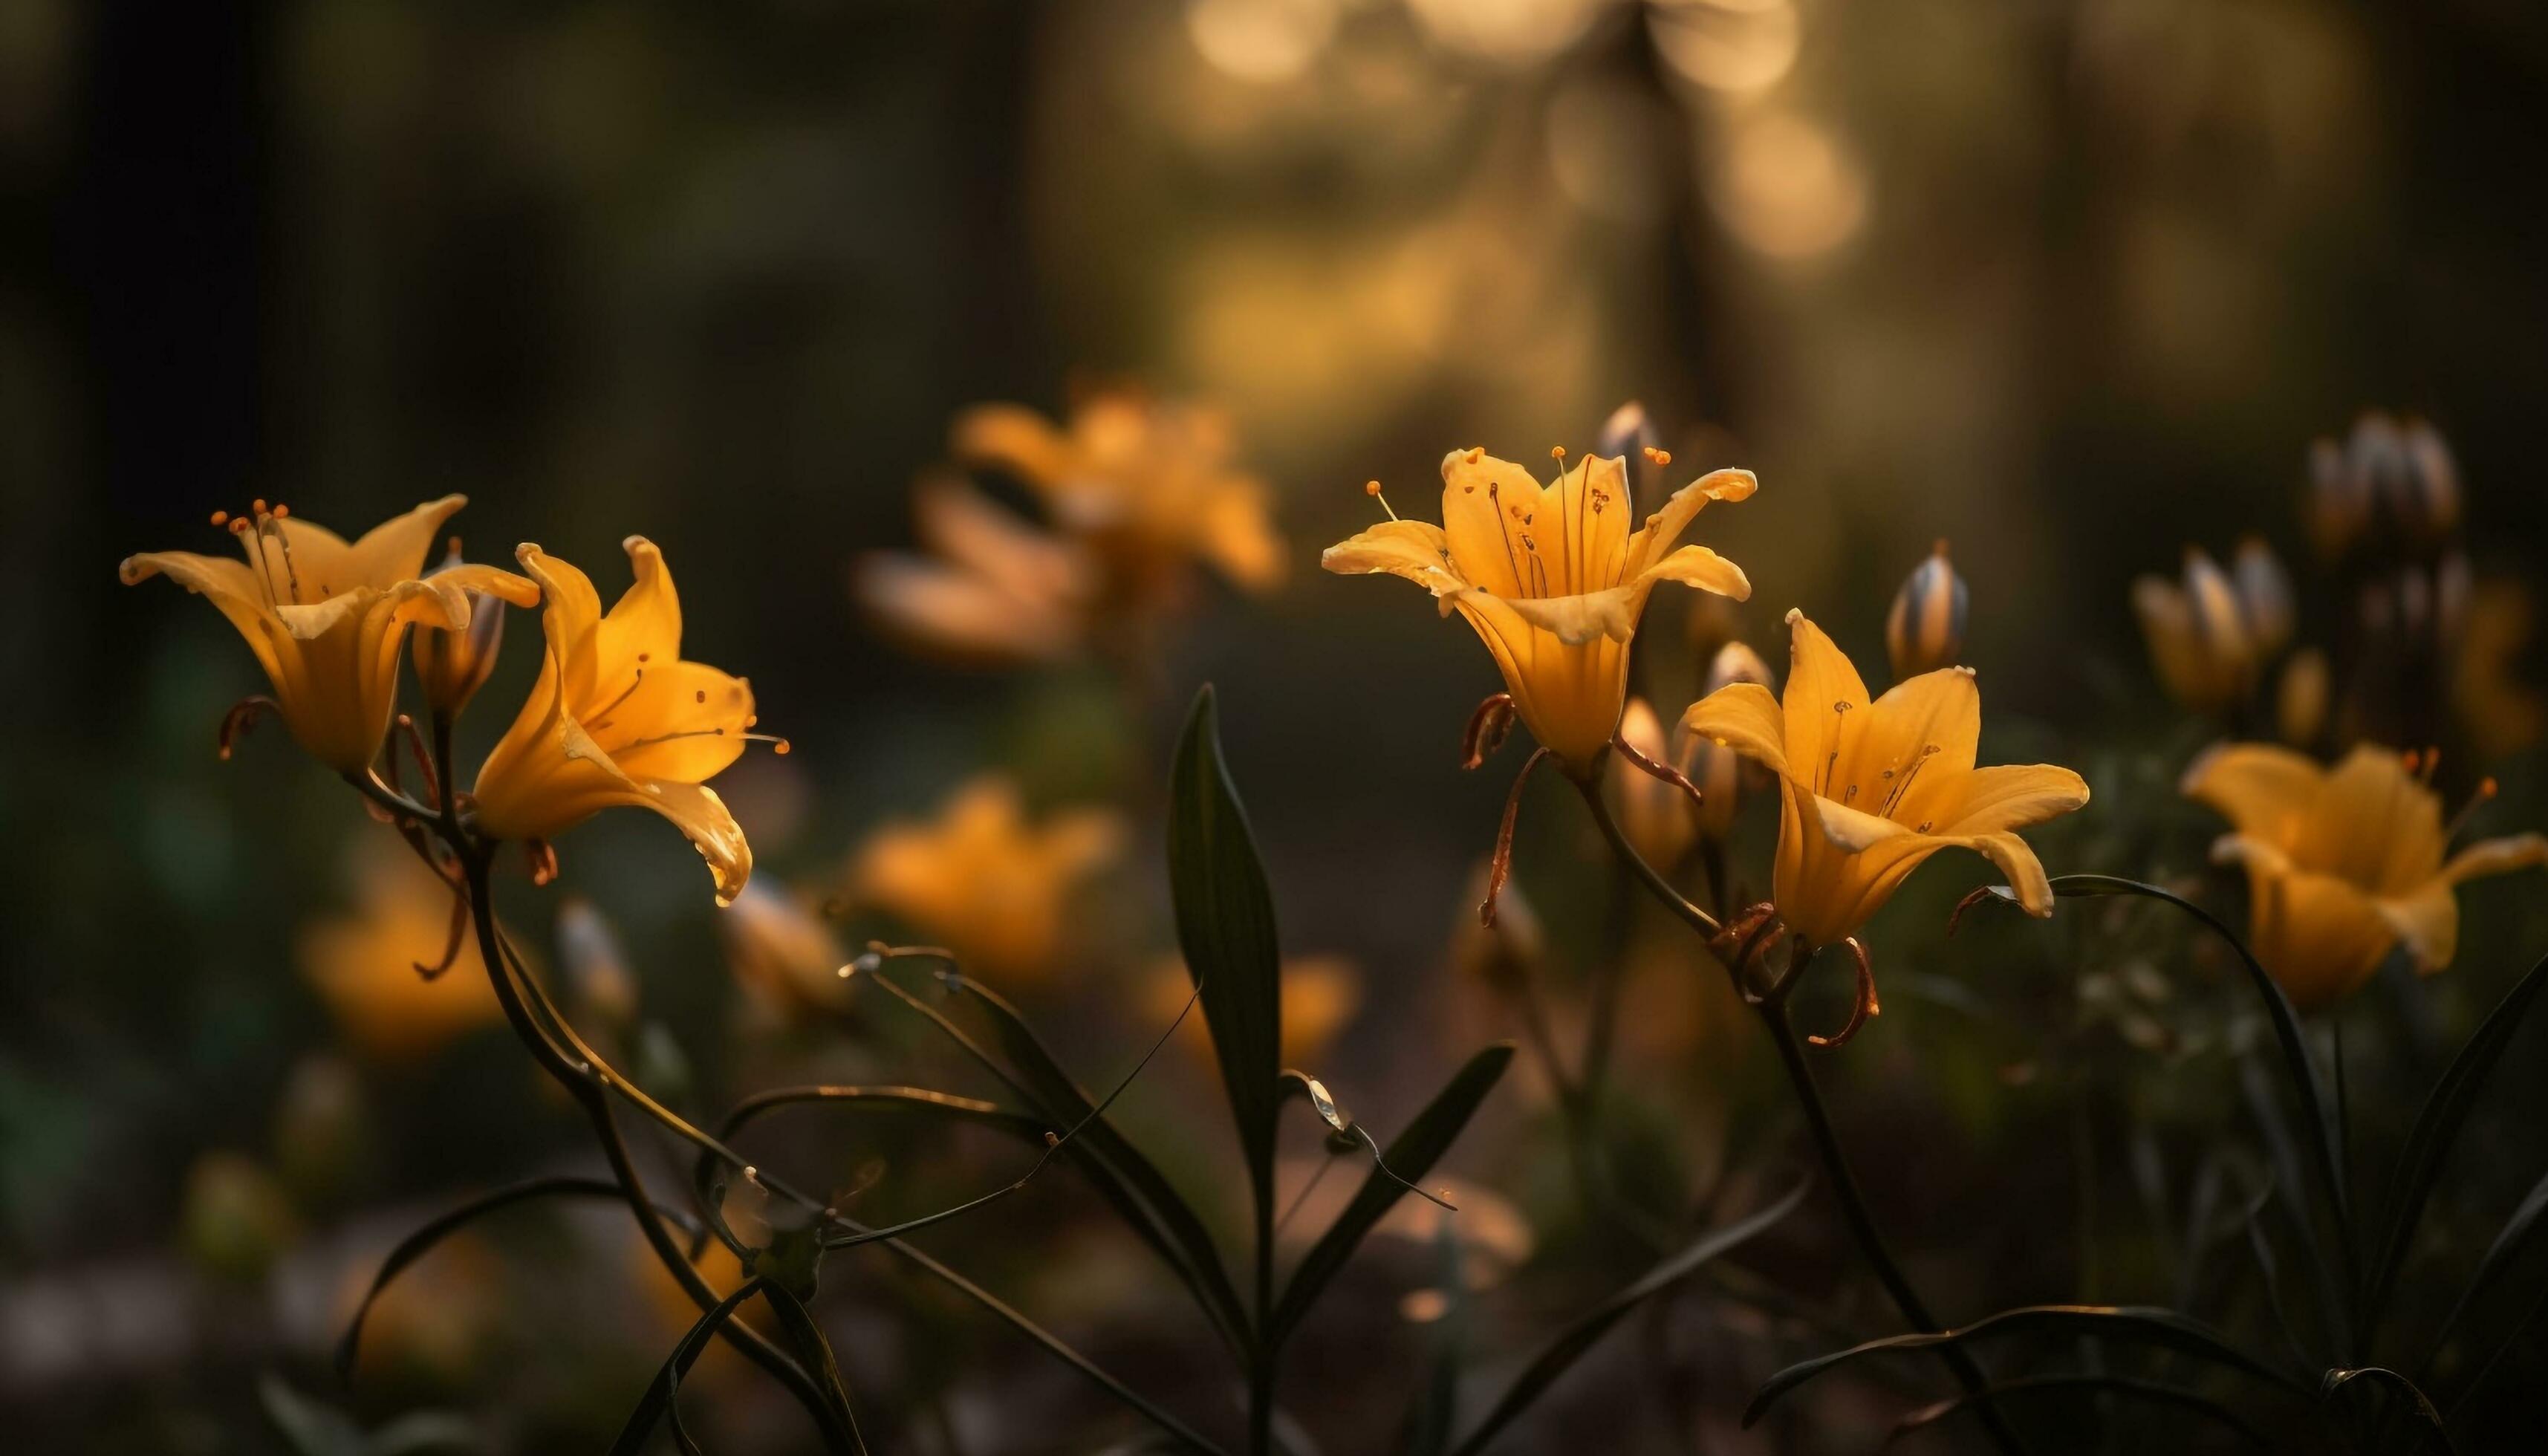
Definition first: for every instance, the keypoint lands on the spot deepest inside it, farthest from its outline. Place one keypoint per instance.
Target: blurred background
(2073, 286)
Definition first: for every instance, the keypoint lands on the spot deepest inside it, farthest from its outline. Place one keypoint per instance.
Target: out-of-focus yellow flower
(1320, 994)
(1153, 483)
(1925, 630)
(2501, 713)
(1552, 580)
(434, 1321)
(1657, 815)
(992, 588)
(327, 619)
(365, 964)
(1873, 789)
(782, 953)
(981, 881)
(2343, 864)
(1721, 774)
(1139, 491)
(617, 718)
(2197, 633)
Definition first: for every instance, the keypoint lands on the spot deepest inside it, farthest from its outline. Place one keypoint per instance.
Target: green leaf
(415, 1245)
(666, 1383)
(1129, 1177)
(814, 1352)
(2437, 1127)
(2118, 1385)
(1225, 928)
(2508, 1243)
(1411, 1155)
(1559, 1355)
(2137, 1323)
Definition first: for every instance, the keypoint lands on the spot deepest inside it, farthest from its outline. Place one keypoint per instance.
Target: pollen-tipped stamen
(2486, 790)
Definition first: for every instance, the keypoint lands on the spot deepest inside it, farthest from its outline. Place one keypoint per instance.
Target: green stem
(1791, 1055)
(595, 1104)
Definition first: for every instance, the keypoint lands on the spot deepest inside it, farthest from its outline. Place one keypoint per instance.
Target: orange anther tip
(281, 510)
(1371, 487)
(1557, 452)
(781, 748)
(221, 517)
(257, 506)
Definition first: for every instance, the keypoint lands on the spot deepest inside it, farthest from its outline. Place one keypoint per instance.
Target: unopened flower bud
(2425, 497)
(1925, 630)
(1736, 661)
(2301, 699)
(2198, 639)
(453, 666)
(595, 969)
(782, 953)
(2264, 595)
(2339, 502)
(1654, 813)
(1721, 774)
(1628, 432)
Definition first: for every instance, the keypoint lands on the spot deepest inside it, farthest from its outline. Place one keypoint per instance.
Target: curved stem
(1791, 1055)
(594, 1101)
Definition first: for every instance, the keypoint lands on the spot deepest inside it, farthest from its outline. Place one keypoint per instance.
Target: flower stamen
(1372, 488)
(2486, 790)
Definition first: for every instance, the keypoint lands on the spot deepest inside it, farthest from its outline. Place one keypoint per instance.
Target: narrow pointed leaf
(1560, 1354)
(2509, 1241)
(1173, 1226)
(2428, 1144)
(2435, 1430)
(1412, 1156)
(1225, 928)
(666, 1383)
(2138, 1324)
(805, 1340)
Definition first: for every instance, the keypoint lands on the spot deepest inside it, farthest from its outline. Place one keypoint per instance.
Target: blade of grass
(2428, 1144)
(1561, 1352)
(2136, 1324)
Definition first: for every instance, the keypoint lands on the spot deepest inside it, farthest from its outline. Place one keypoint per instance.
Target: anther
(221, 517)
(1372, 488)
(1557, 452)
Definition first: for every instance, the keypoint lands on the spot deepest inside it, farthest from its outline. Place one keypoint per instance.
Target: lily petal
(1744, 717)
(1820, 680)
(2263, 788)
(1655, 537)
(2013, 796)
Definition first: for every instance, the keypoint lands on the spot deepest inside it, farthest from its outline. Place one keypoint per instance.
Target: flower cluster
(616, 717)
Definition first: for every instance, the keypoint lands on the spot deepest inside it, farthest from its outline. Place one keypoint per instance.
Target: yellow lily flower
(327, 619)
(992, 887)
(617, 718)
(1150, 483)
(1552, 580)
(2343, 864)
(1871, 789)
